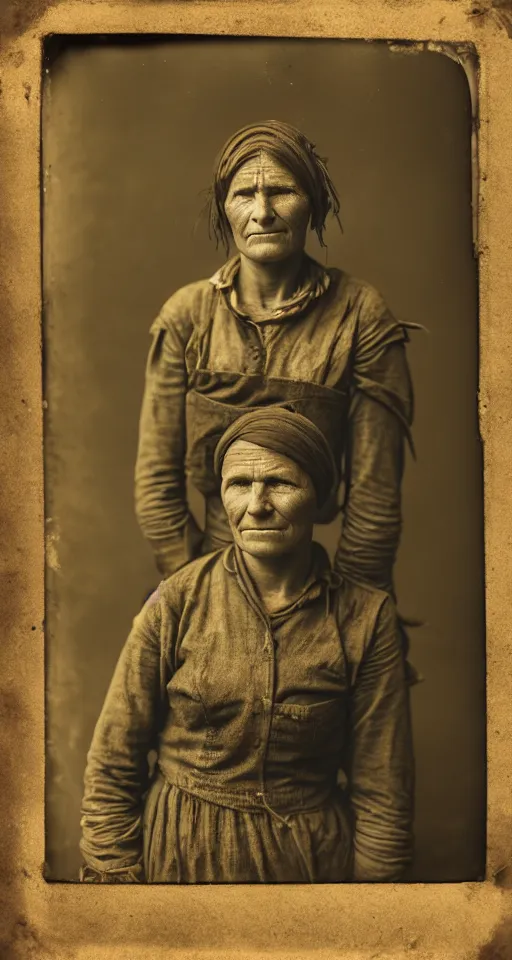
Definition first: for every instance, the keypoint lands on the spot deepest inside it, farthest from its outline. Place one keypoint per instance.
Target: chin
(272, 253)
(268, 548)
(268, 258)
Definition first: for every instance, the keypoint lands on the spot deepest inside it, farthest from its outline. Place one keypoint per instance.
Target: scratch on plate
(52, 556)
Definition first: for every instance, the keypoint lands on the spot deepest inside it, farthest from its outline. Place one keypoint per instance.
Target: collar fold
(321, 578)
(314, 282)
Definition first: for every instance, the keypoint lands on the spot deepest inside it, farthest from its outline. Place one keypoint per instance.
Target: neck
(265, 285)
(279, 580)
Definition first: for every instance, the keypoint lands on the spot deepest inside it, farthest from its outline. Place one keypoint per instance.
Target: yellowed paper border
(68, 921)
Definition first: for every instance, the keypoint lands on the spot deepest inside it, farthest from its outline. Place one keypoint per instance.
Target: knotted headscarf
(283, 431)
(290, 148)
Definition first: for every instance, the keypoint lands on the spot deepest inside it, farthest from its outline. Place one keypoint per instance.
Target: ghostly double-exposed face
(270, 501)
(268, 211)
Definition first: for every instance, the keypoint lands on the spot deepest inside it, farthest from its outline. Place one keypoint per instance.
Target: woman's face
(269, 500)
(268, 211)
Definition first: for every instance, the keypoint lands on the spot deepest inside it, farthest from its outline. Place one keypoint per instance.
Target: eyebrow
(244, 191)
(247, 190)
(247, 475)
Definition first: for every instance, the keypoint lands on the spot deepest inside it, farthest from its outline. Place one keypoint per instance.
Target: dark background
(130, 132)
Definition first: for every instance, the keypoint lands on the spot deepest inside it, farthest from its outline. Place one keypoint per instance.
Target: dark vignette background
(130, 131)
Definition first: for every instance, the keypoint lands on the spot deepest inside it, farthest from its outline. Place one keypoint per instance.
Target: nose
(258, 501)
(262, 212)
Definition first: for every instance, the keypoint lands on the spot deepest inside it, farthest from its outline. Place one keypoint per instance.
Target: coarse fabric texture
(334, 352)
(188, 840)
(256, 715)
(290, 434)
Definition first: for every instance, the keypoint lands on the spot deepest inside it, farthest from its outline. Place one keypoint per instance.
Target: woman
(256, 673)
(273, 326)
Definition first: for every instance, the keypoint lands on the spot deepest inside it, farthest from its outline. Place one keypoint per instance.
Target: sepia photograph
(263, 490)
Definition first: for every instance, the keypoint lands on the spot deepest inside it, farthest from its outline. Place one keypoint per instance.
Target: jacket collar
(321, 579)
(314, 282)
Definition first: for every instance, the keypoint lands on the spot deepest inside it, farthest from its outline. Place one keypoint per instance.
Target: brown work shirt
(334, 352)
(255, 714)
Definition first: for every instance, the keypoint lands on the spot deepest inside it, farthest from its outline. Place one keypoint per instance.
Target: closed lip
(266, 233)
(262, 529)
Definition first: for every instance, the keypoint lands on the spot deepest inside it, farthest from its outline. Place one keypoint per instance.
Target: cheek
(298, 508)
(296, 212)
(234, 503)
(236, 213)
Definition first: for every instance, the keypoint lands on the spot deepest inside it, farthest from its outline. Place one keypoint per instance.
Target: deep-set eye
(245, 194)
(278, 482)
(278, 191)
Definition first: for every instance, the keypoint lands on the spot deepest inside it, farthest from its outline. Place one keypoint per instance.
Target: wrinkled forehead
(252, 460)
(264, 170)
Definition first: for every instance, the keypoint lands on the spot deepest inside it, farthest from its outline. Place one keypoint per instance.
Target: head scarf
(280, 429)
(290, 148)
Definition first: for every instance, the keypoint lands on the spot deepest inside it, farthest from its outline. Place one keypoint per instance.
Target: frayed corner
(500, 946)
(498, 10)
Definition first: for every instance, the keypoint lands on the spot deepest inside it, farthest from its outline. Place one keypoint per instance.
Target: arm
(379, 422)
(116, 776)
(372, 520)
(160, 486)
(381, 765)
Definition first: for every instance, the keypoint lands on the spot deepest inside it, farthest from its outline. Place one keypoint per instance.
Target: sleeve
(117, 771)
(372, 512)
(381, 761)
(378, 425)
(160, 485)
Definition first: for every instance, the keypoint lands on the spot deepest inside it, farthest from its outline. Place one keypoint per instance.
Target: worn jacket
(256, 712)
(334, 352)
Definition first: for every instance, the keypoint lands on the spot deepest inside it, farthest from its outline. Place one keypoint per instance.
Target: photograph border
(68, 920)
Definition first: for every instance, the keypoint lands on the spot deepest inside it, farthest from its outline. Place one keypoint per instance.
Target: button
(259, 795)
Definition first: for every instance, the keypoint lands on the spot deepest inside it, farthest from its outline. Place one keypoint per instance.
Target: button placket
(256, 346)
(267, 704)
